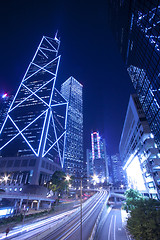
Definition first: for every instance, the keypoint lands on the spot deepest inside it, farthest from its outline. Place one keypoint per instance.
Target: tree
(58, 182)
(144, 220)
(132, 196)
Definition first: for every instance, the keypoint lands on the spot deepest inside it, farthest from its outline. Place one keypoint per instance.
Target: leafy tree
(132, 196)
(58, 182)
(144, 220)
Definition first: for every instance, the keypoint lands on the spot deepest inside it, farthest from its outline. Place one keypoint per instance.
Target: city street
(72, 230)
(65, 225)
(112, 226)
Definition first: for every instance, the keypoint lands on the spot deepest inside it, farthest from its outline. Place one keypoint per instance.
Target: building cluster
(39, 123)
(42, 128)
(101, 167)
(137, 37)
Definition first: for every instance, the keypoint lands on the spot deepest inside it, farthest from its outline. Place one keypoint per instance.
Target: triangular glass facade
(36, 119)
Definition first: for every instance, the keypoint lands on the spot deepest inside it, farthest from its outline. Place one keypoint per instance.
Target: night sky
(88, 53)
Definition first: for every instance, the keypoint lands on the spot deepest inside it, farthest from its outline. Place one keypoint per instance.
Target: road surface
(112, 225)
(67, 225)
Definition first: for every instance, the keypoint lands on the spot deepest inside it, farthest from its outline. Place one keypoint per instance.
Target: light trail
(32, 229)
(86, 215)
(32, 226)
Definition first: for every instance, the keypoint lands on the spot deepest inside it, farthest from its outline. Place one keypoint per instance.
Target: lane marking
(115, 227)
(76, 226)
(109, 232)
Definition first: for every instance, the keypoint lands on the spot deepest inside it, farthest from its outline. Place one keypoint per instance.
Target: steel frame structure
(35, 114)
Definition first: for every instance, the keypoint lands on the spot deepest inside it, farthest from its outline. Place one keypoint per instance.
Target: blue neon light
(45, 50)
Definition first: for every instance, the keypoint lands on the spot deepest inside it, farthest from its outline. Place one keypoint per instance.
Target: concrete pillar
(32, 204)
(38, 203)
(21, 201)
(115, 200)
(16, 178)
(26, 178)
(11, 177)
(50, 205)
(21, 176)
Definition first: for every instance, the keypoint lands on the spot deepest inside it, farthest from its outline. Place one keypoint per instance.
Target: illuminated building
(139, 152)
(5, 101)
(136, 26)
(72, 91)
(117, 171)
(33, 134)
(90, 171)
(99, 157)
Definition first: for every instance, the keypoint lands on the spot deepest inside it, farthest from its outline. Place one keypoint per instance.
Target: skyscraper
(90, 170)
(71, 89)
(139, 152)
(5, 101)
(117, 171)
(33, 133)
(136, 26)
(99, 157)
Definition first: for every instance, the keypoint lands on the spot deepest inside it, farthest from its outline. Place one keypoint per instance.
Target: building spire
(56, 34)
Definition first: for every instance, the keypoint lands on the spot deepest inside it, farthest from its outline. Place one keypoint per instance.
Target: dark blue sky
(88, 53)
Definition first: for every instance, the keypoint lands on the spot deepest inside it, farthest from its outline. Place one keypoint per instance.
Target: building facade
(117, 174)
(136, 26)
(90, 167)
(99, 157)
(72, 91)
(139, 152)
(33, 134)
(5, 101)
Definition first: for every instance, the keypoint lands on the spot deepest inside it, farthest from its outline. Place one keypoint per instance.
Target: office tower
(135, 26)
(118, 178)
(5, 101)
(99, 157)
(71, 89)
(139, 152)
(110, 171)
(33, 133)
(90, 170)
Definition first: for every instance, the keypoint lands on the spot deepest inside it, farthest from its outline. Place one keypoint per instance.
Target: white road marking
(109, 232)
(115, 227)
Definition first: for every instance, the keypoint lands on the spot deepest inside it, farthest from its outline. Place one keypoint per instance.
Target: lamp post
(68, 178)
(81, 208)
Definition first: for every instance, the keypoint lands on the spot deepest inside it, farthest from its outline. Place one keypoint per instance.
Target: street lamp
(102, 179)
(95, 179)
(68, 178)
(122, 186)
(81, 208)
(5, 178)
